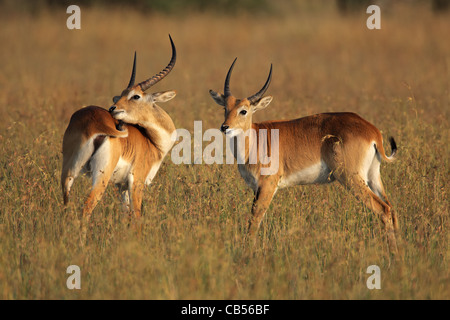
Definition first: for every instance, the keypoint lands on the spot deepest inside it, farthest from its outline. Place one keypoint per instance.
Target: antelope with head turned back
(125, 145)
(316, 149)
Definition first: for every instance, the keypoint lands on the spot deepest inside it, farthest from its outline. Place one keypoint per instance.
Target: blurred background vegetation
(218, 6)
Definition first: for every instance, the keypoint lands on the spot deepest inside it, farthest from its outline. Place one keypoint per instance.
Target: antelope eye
(136, 97)
(243, 112)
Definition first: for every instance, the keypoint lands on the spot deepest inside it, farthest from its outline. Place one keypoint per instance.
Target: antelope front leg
(137, 191)
(263, 197)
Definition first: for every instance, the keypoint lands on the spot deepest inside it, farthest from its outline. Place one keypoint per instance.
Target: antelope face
(238, 116)
(134, 105)
(238, 112)
(130, 103)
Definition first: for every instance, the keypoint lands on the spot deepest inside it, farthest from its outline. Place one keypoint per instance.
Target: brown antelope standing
(315, 149)
(125, 145)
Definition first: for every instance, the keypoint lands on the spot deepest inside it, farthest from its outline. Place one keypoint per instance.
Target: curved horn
(133, 73)
(254, 98)
(226, 89)
(158, 77)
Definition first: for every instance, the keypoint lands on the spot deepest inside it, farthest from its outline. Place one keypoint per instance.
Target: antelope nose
(112, 108)
(224, 128)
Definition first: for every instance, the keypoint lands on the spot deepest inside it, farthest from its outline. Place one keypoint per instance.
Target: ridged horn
(254, 98)
(133, 73)
(158, 77)
(226, 89)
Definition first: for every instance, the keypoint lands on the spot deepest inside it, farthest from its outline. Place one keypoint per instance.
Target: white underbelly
(317, 173)
(121, 172)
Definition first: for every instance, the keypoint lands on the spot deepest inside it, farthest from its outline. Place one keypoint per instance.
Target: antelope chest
(249, 177)
(154, 169)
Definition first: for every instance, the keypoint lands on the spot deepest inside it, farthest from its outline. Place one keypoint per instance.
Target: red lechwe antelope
(315, 149)
(125, 145)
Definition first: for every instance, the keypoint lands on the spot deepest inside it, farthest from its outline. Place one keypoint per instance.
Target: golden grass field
(315, 242)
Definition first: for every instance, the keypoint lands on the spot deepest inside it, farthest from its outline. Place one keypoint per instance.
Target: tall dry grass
(315, 242)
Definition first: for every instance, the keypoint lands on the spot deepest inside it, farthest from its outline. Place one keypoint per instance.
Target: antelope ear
(218, 98)
(262, 103)
(163, 96)
(115, 99)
